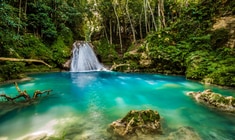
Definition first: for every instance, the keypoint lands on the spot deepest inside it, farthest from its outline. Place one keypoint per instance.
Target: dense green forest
(162, 36)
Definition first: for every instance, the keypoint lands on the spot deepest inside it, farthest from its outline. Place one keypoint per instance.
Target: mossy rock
(215, 100)
(136, 123)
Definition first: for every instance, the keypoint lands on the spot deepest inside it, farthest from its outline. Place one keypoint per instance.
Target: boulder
(67, 64)
(214, 100)
(137, 123)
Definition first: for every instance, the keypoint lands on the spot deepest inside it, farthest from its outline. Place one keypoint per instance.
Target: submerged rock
(184, 133)
(39, 136)
(214, 100)
(137, 123)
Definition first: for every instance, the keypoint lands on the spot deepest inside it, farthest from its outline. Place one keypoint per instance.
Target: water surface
(84, 104)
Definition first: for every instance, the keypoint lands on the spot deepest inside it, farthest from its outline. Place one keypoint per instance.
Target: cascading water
(84, 58)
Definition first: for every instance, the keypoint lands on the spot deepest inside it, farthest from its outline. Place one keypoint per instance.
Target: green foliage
(32, 47)
(40, 22)
(106, 51)
(165, 53)
(60, 51)
(142, 48)
(46, 30)
(11, 70)
(197, 63)
(140, 118)
(200, 42)
(219, 37)
(66, 34)
(224, 74)
(8, 18)
(132, 56)
(190, 46)
(9, 22)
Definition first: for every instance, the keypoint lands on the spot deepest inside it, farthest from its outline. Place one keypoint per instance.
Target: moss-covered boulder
(214, 100)
(137, 123)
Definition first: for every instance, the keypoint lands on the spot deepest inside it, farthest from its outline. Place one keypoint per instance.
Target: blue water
(86, 103)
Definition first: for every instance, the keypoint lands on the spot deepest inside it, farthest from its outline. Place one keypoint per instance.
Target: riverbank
(21, 77)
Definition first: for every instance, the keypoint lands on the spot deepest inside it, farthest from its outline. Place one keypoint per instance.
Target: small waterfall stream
(84, 58)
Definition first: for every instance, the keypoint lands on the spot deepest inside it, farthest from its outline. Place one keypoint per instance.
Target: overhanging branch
(24, 60)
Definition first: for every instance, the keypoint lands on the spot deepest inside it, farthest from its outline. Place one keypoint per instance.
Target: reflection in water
(83, 79)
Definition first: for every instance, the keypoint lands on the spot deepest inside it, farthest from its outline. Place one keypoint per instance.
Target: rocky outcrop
(67, 64)
(229, 24)
(214, 100)
(137, 123)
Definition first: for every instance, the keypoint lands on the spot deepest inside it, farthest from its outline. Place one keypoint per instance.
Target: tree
(39, 21)
(118, 24)
(132, 27)
(8, 26)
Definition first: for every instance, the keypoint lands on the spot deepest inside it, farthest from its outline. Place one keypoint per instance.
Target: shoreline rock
(214, 100)
(137, 123)
(145, 124)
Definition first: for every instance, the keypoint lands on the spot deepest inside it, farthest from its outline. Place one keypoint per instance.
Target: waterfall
(84, 58)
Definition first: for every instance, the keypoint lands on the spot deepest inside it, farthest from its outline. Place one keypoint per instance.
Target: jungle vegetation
(162, 36)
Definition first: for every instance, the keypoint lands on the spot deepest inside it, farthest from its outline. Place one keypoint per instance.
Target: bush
(106, 51)
(224, 74)
(60, 52)
(32, 47)
(197, 64)
(219, 37)
(11, 70)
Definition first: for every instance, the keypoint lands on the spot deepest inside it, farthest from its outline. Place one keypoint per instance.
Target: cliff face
(227, 23)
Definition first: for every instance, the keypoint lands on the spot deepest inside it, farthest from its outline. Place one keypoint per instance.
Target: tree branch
(8, 98)
(24, 60)
(22, 93)
(38, 92)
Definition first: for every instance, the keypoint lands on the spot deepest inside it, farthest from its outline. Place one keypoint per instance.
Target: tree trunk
(24, 60)
(21, 93)
(145, 16)
(119, 28)
(140, 23)
(18, 28)
(25, 13)
(132, 28)
(105, 33)
(151, 11)
(110, 32)
(161, 16)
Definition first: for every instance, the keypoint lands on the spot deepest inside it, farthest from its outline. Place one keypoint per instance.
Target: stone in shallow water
(137, 123)
(214, 100)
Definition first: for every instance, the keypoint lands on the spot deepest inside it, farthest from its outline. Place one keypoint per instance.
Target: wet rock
(66, 65)
(214, 100)
(137, 123)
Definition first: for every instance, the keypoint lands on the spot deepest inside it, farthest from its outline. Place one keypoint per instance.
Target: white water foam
(84, 59)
